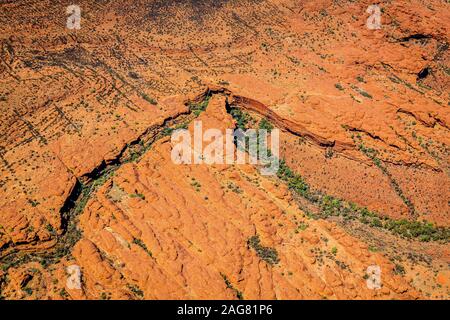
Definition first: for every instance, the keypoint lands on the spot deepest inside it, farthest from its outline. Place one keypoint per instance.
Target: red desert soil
(87, 178)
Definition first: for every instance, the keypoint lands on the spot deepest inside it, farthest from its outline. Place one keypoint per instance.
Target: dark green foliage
(399, 269)
(294, 181)
(372, 154)
(423, 230)
(239, 294)
(242, 118)
(136, 291)
(269, 255)
(362, 92)
(137, 195)
(265, 125)
(334, 251)
(50, 229)
(33, 203)
(234, 188)
(148, 99)
(28, 291)
(332, 206)
(141, 244)
(365, 94)
(63, 293)
(105, 296)
(169, 131)
(76, 204)
(339, 86)
(198, 108)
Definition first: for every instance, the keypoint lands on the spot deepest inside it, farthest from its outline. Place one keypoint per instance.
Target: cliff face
(87, 178)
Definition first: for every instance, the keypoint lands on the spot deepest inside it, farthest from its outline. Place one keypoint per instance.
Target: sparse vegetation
(169, 131)
(242, 118)
(77, 202)
(373, 155)
(199, 107)
(97, 106)
(63, 293)
(265, 125)
(332, 206)
(302, 226)
(238, 293)
(33, 203)
(148, 99)
(233, 187)
(136, 291)
(294, 181)
(339, 86)
(196, 185)
(141, 244)
(362, 92)
(399, 269)
(105, 296)
(28, 291)
(137, 195)
(269, 255)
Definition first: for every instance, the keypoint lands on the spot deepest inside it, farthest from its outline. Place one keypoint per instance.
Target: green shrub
(136, 290)
(198, 108)
(331, 206)
(239, 294)
(334, 251)
(141, 244)
(265, 125)
(399, 269)
(269, 255)
(339, 86)
(242, 118)
(137, 195)
(148, 99)
(28, 291)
